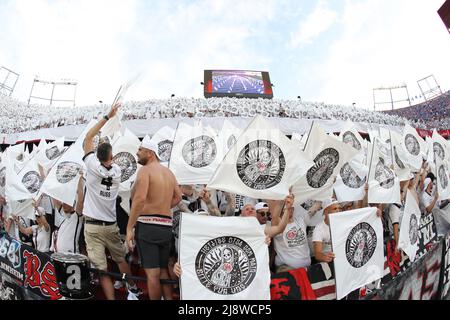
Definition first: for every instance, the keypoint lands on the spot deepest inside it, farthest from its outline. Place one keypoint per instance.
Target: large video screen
(237, 83)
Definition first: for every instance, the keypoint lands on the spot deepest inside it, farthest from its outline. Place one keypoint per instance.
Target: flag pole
(309, 134)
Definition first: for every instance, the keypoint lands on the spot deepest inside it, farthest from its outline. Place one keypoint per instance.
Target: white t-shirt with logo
(102, 188)
(292, 245)
(322, 234)
(69, 233)
(41, 238)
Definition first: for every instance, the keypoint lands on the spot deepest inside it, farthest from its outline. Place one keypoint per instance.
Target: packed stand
(433, 114)
(17, 116)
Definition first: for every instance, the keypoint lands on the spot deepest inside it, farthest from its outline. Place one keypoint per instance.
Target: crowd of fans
(433, 114)
(16, 116)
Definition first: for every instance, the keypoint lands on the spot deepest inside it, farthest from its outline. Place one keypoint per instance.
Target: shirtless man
(154, 194)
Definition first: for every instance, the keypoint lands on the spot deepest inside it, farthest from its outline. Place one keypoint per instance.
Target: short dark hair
(103, 152)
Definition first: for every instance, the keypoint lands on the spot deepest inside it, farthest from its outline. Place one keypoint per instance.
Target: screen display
(237, 83)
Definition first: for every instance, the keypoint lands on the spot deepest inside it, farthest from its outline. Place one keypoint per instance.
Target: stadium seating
(16, 116)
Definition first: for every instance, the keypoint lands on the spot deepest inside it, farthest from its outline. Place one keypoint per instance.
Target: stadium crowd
(58, 229)
(16, 116)
(432, 114)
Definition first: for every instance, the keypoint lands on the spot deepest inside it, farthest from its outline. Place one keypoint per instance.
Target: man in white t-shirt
(439, 209)
(66, 237)
(322, 236)
(101, 232)
(291, 245)
(41, 231)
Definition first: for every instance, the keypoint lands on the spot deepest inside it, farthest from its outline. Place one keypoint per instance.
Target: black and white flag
(196, 154)
(384, 185)
(414, 146)
(164, 140)
(408, 239)
(357, 240)
(329, 157)
(263, 164)
(223, 258)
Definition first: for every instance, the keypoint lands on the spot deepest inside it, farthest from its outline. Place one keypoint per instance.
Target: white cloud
(316, 23)
(383, 43)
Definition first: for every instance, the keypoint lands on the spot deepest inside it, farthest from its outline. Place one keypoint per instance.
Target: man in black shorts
(154, 194)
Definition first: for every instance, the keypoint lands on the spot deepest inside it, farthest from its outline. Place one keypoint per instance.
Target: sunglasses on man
(264, 214)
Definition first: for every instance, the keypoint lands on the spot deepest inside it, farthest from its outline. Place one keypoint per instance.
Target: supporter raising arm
(89, 140)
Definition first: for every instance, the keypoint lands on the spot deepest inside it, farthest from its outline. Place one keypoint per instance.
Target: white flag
(62, 181)
(357, 240)
(414, 146)
(439, 147)
(22, 185)
(223, 258)
(400, 162)
(111, 127)
(350, 136)
(14, 151)
(408, 239)
(263, 164)
(23, 208)
(164, 139)
(329, 156)
(196, 154)
(229, 135)
(351, 181)
(125, 151)
(442, 177)
(42, 145)
(48, 155)
(384, 185)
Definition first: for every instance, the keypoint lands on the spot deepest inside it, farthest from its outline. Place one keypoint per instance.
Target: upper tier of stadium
(16, 116)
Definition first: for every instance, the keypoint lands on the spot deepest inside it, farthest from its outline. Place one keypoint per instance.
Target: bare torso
(161, 189)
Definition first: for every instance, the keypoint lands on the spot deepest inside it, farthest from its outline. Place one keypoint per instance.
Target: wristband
(106, 118)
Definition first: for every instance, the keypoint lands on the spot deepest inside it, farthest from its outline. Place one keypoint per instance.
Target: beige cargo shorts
(98, 238)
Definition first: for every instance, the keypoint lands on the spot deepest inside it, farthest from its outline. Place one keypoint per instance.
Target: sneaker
(118, 285)
(134, 289)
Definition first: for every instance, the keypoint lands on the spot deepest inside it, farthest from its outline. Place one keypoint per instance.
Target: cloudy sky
(333, 51)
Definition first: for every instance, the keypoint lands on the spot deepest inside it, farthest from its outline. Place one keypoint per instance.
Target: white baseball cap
(328, 203)
(149, 144)
(261, 205)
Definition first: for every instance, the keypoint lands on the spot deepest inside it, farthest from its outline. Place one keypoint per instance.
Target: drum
(72, 275)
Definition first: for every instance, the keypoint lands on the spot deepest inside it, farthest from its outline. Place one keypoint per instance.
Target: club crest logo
(351, 178)
(127, 164)
(295, 237)
(399, 162)
(324, 166)
(67, 171)
(361, 244)
(412, 145)
(261, 165)
(443, 178)
(350, 139)
(165, 150)
(32, 181)
(3, 177)
(438, 151)
(413, 229)
(52, 153)
(384, 175)
(200, 152)
(226, 265)
(231, 141)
